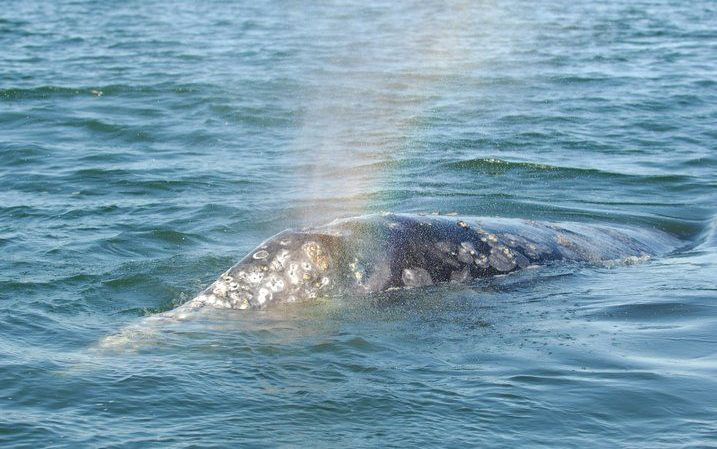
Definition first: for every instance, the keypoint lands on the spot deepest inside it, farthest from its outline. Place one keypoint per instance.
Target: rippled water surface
(145, 147)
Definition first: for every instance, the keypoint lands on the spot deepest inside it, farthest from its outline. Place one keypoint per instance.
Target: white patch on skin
(378, 279)
(275, 284)
(240, 301)
(501, 260)
(213, 301)
(416, 277)
(461, 276)
(357, 271)
(466, 252)
(264, 296)
(255, 276)
(279, 261)
(482, 261)
(468, 246)
(294, 273)
(324, 282)
(197, 302)
(220, 288)
(261, 254)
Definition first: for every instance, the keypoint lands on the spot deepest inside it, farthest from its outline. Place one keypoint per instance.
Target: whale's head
(292, 266)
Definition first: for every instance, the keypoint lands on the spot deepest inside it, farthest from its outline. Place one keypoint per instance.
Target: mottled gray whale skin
(375, 253)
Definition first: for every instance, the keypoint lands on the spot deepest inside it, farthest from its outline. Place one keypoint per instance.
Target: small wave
(43, 92)
(652, 311)
(51, 91)
(100, 174)
(16, 154)
(132, 244)
(500, 166)
(149, 180)
(19, 212)
(708, 238)
(496, 164)
(98, 126)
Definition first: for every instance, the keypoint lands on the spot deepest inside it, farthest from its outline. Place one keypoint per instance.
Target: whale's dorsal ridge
(384, 251)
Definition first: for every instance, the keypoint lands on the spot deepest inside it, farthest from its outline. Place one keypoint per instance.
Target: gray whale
(381, 252)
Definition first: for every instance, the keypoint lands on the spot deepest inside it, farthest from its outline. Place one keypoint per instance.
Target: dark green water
(146, 147)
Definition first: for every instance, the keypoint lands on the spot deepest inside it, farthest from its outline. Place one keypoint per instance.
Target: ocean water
(146, 146)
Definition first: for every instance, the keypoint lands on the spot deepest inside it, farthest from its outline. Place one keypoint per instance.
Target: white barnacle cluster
(227, 292)
(281, 260)
(502, 258)
(273, 273)
(275, 283)
(528, 248)
(309, 275)
(253, 276)
(481, 261)
(507, 251)
(515, 241)
(460, 257)
(535, 250)
(501, 252)
(466, 252)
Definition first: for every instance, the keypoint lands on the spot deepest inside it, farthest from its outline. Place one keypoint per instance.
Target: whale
(381, 252)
